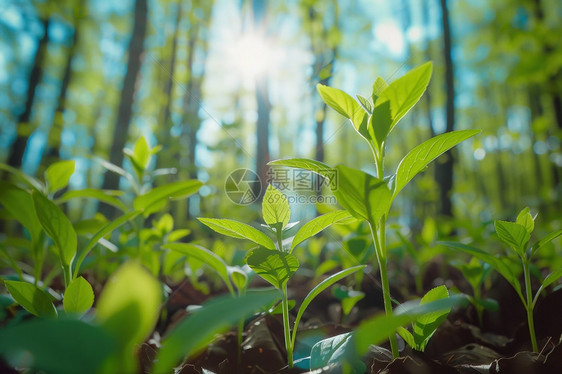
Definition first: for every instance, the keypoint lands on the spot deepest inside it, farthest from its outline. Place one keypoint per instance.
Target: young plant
(369, 197)
(426, 325)
(273, 259)
(517, 236)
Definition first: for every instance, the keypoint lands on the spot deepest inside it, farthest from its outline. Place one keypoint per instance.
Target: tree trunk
(427, 55)
(17, 150)
(54, 139)
(444, 166)
(130, 83)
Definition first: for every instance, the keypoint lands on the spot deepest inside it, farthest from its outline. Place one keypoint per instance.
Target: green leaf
(525, 219)
(238, 230)
(334, 351)
(338, 100)
(58, 174)
(149, 202)
(407, 336)
(57, 226)
(365, 104)
(426, 325)
(380, 123)
(239, 278)
(514, 235)
(201, 327)
(317, 290)
(497, 263)
(378, 87)
(363, 195)
(206, 256)
(108, 197)
(544, 241)
(306, 164)
(78, 297)
(274, 266)
(345, 105)
(31, 182)
(418, 158)
(31, 298)
(551, 278)
(140, 156)
(405, 92)
(101, 233)
(62, 346)
(19, 204)
(318, 224)
(128, 309)
(377, 329)
(275, 208)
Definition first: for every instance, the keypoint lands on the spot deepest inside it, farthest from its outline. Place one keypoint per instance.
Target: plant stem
(380, 250)
(529, 305)
(286, 328)
(67, 275)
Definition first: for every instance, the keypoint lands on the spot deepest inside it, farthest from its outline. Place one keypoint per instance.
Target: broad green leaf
(215, 317)
(405, 92)
(551, 278)
(318, 224)
(78, 297)
(407, 336)
(514, 235)
(31, 298)
(275, 207)
(339, 101)
(58, 174)
(108, 197)
(378, 87)
(365, 104)
(363, 195)
(333, 352)
(172, 191)
(238, 230)
(418, 158)
(544, 241)
(306, 164)
(128, 309)
(62, 346)
(100, 234)
(345, 105)
(317, 290)
(205, 256)
(19, 204)
(497, 263)
(525, 219)
(274, 266)
(473, 272)
(57, 226)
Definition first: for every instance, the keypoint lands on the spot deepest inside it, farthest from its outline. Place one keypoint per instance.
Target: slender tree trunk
(427, 55)
(168, 90)
(125, 110)
(17, 150)
(444, 166)
(263, 104)
(54, 139)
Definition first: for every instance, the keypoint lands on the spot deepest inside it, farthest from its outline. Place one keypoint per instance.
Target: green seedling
(273, 259)
(425, 326)
(368, 197)
(476, 272)
(36, 208)
(517, 236)
(345, 350)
